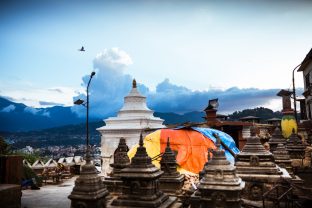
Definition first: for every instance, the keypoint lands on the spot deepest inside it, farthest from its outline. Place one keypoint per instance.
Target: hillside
(19, 117)
(261, 112)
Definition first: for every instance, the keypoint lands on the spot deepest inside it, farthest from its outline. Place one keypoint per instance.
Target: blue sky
(203, 47)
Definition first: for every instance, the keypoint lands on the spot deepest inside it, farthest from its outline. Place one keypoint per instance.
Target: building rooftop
(306, 61)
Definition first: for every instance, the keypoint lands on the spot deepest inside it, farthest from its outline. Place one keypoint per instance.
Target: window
(307, 80)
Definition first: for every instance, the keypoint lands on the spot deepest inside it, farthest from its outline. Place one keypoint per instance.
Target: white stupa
(132, 119)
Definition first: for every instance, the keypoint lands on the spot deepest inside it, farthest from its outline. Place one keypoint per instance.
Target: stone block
(10, 196)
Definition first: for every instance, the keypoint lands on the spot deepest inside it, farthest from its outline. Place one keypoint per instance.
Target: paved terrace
(49, 196)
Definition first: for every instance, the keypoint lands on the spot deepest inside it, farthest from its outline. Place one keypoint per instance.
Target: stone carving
(254, 160)
(218, 199)
(256, 192)
(121, 160)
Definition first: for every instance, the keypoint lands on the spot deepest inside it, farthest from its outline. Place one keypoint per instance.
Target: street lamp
(294, 91)
(86, 104)
(89, 190)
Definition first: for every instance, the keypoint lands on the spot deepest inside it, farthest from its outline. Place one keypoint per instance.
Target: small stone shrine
(295, 147)
(89, 190)
(121, 160)
(171, 181)
(140, 186)
(282, 158)
(257, 168)
(202, 172)
(277, 138)
(220, 186)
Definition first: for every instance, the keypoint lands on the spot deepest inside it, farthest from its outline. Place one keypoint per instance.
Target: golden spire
(134, 84)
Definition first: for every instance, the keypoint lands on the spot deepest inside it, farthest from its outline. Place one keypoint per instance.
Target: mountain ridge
(17, 117)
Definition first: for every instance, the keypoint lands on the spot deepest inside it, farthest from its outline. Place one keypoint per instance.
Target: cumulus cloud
(112, 58)
(108, 86)
(172, 98)
(111, 84)
(8, 109)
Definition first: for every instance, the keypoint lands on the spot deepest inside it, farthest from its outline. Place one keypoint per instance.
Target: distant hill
(60, 126)
(261, 112)
(75, 134)
(17, 117)
(173, 118)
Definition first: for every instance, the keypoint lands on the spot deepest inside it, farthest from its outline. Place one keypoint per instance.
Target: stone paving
(49, 196)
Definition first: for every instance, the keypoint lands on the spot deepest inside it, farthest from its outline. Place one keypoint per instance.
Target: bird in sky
(81, 49)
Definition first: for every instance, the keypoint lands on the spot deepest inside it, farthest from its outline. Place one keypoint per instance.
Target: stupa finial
(168, 142)
(253, 131)
(134, 84)
(141, 140)
(218, 141)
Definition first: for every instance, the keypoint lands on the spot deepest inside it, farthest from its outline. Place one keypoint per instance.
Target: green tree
(4, 147)
(30, 157)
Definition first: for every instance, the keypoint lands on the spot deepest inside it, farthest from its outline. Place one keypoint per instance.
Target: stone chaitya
(202, 172)
(140, 186)
(219, 186)
(295, 147)
(277, 138)
(121, 161)
(89, 190)
(256, 166)
(171, 181)
(282, 158)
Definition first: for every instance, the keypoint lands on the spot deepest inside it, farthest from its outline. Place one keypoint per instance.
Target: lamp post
(294, 91)
(86, 104)
(89, 190)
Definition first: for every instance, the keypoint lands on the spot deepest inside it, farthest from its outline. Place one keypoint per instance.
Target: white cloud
(36, 111)
(112, 58)
(8, 109)
(40, 97)
(46, 113)
(111, 84)
(31, 110)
